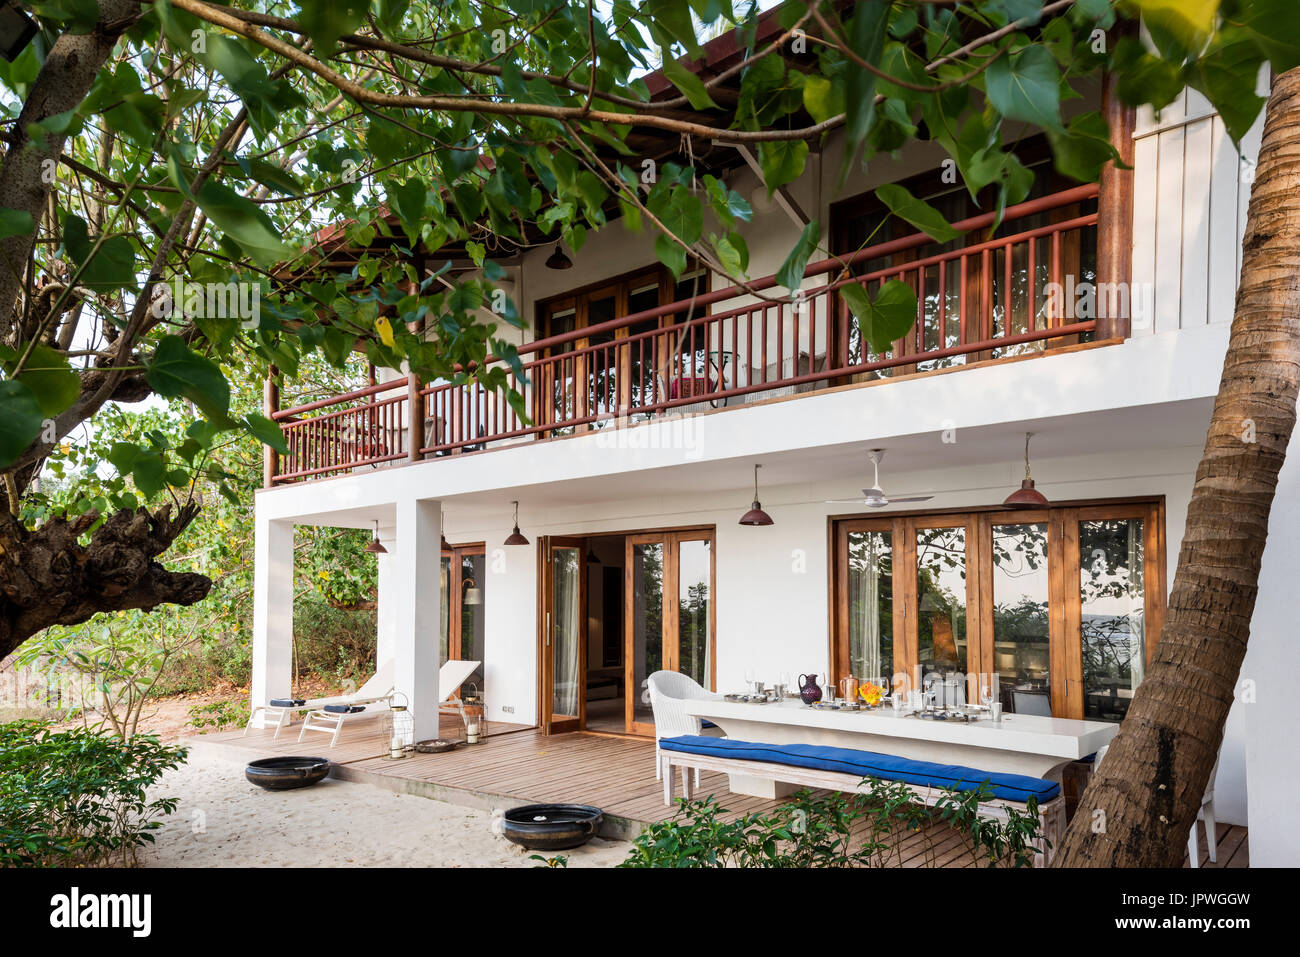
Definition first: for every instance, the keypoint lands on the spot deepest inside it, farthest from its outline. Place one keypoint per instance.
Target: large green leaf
(20, 419)
(690, 84)
(407, 200)
(326, 22)
(49, 376)
(917, 212)
(782, 162)
(1026, 86)
(178, 372)
(266, 432)
(112, 265)
(888, 318)
(790, 274)
(1085, 149)
(243, 222)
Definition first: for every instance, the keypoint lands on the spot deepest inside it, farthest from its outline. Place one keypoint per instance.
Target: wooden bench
(1051, 813)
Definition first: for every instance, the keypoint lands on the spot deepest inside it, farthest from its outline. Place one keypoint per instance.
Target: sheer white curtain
(565, 638)
(864, 630)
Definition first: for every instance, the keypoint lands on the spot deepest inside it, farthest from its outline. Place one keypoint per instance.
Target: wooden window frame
(455, 586)
(1065, 647)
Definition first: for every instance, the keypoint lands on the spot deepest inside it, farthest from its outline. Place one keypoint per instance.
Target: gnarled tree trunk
(1142, 802)
(47, 577)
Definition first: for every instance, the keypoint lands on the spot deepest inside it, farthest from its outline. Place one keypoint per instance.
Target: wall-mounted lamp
(473, 594)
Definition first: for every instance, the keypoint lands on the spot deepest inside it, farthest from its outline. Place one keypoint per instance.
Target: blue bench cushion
(887, 767)
(288, 702)
(344, 708)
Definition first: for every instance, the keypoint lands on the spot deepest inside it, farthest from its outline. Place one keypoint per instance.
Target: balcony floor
(517, 764)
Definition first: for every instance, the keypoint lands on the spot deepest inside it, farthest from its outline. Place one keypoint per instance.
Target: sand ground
(223, 821)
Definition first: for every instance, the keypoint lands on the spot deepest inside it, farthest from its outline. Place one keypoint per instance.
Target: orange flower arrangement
(871, 693)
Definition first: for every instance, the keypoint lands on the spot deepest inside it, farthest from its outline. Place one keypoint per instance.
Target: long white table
(1020, 744)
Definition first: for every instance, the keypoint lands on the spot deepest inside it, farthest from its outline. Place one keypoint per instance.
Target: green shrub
(78, 797)
(219, 714)
(866, 829)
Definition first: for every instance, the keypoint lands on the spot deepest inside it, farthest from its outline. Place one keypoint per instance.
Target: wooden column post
(270, 406)
(1115, 218)
(415, 418)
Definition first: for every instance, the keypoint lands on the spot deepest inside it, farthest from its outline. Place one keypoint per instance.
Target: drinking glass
(986, 690)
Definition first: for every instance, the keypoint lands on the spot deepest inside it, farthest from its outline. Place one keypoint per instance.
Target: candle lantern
(397, 727)
(474, 713)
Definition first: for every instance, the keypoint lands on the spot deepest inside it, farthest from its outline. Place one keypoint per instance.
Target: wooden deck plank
(517, 764)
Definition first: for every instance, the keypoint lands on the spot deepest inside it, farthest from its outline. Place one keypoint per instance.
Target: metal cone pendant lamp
(376, 547)
(756, 515)
(1026, 496)
(516, 538)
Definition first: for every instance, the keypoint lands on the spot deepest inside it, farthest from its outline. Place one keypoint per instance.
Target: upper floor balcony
(990, 295)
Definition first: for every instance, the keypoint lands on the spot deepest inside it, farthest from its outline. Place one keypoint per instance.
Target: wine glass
(986, 691)
(928, 685)
(751, 675)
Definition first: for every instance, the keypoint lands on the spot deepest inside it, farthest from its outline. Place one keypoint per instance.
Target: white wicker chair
(669, 692)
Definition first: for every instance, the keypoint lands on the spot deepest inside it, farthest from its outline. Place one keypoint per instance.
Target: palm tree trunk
(1142, 802)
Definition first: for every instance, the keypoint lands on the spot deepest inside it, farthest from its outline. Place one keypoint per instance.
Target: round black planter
(283, 774)
(552, 827)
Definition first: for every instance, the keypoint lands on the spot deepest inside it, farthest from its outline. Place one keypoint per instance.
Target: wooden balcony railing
(977, 298)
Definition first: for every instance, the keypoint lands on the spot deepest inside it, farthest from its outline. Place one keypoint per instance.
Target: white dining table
(1018, 744)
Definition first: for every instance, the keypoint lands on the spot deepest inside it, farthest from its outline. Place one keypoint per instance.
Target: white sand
(223, 821)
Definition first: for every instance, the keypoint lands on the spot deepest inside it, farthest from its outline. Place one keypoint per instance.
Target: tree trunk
(48, 577)
(65, 78)
(1141, 804)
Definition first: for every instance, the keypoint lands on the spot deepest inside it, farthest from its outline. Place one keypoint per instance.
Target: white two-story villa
(652, 400)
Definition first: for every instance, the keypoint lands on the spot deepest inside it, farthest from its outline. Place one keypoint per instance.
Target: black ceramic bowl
(552, 827)
(283, 774)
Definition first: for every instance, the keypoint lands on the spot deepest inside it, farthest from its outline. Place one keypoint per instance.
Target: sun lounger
(331, 714)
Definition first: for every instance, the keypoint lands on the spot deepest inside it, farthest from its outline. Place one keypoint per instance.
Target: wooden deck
(519, 765)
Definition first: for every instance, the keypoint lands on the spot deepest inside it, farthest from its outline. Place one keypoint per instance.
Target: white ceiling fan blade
(844, 501)
(912, 498)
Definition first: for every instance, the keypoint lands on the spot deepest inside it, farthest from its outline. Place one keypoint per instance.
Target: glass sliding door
(695, 609)
(1021, 617)
(1112, 614)
(645, 626)
(564, 636)
(866, 603)
(461, 625)
(941, 598)
(670, 615)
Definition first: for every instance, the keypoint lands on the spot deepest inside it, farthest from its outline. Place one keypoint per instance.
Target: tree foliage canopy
(152, 144)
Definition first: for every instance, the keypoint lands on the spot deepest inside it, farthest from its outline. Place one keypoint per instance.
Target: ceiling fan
(875, 497)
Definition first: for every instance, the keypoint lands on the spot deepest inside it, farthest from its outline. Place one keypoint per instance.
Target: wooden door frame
(670, 619)
(455, 584)
(546, 653)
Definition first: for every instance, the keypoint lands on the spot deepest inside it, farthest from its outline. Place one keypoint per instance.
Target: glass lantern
(474, 713)
(397, 727)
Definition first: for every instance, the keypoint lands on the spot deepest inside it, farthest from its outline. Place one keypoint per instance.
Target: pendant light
(756, 515)
(558, 260)
(376, 547)
(515, 537)
(1026, 496)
